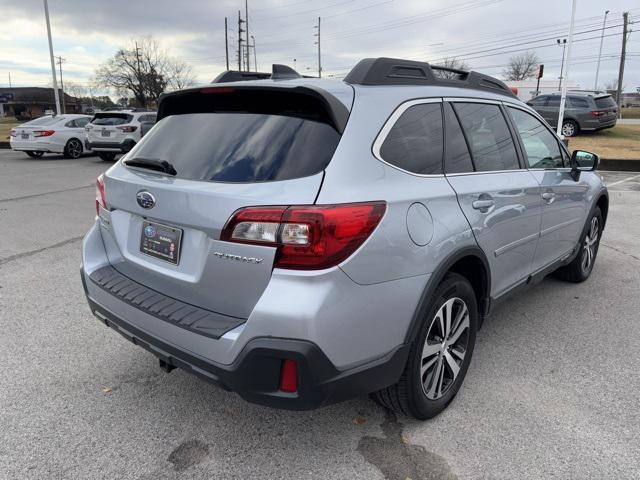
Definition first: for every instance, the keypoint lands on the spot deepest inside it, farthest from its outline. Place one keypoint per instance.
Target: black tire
(410, 396)
(107, 156)
(581, 267)
(73, 149)
(570, 128)
(34, 154)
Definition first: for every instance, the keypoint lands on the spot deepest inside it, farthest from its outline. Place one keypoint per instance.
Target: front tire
(34, 154)
(73, 149)
(580, 267)
(439, 356)
(570, 128)
(107, 156)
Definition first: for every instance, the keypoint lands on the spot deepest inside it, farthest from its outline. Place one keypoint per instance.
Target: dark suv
(583, 111)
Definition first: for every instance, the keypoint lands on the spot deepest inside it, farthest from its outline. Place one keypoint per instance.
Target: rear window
(111, 119)
(44, 121)
(240, 146)
(605, 102)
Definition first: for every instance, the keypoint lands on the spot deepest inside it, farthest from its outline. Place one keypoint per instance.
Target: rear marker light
(289, 376)
(307, 237)
(43, 133)
(101, 194)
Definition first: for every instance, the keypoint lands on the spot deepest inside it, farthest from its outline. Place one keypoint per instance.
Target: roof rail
(278, 72)
(395, 71)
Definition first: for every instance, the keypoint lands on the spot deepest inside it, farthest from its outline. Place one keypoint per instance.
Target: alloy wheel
(444, 348)
(568, 129)
(74, 149)
(590, 244)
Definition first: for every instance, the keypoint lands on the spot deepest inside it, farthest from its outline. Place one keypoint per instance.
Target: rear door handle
(548, 197)
(482, 205)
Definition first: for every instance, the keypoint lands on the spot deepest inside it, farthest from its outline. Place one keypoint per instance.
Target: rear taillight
(307, 237)
(12, 133)
(128, 128)
(101, 194)
(598, 113)
(43, 133)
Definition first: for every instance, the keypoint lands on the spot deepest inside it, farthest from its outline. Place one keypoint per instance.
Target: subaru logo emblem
(145, 199)
(150, 231)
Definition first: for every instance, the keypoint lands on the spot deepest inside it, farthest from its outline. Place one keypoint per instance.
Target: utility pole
(318, 43)
(226, 42)
(625, 17)
(53, 65)
(10, 80)
(240, 30)
(246, 36)
(562, 43)
(255, 55)
(563, 95)
(139, 75)
(64, 107)
(604, 22)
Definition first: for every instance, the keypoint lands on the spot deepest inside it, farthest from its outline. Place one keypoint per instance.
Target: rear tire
(107, 156)
(570, 128)
(440, 354)
(580, 267)
(73, 149)
(34, 154)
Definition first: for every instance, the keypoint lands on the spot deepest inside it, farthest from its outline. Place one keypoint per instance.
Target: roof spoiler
(394, 71)
(278, 72)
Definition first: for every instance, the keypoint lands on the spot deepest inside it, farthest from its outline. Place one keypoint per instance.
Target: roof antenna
(283, 72)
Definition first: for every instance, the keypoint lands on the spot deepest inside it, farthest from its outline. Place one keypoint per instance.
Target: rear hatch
(607, 109)
(104, 127)
(229, 148)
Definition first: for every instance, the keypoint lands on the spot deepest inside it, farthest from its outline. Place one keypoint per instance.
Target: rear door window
(415, 142)
(110, 119)
(577, 102)
(240, 146)
(488, 136)
(457, 158)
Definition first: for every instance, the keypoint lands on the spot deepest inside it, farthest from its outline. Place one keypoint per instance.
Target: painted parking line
(622, 181)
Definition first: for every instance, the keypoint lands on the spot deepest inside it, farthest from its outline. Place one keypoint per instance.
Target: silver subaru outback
(303, 241)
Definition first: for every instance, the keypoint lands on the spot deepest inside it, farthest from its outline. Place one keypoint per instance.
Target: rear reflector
(101, 194)
(308, 237)
(289, 376)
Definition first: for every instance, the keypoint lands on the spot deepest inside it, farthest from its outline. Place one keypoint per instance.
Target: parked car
(582, 112)
(113, 132)
(50, 134)
(303, 241)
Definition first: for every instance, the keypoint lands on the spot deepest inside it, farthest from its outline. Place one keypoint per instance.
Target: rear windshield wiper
(151, 164)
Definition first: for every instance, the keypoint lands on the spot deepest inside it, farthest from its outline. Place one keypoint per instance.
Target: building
(32, 102)
(527, 88)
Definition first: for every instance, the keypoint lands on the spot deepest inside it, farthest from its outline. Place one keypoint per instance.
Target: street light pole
(563, 95)
(562, 42)
(255, 55)
(604, 22)
(56, 94)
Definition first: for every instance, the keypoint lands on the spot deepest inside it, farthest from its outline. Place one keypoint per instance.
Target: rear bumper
(255, 373)
(34, 146)
(123, 147)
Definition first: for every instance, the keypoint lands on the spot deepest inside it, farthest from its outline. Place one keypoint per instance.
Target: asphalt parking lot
(553, 390)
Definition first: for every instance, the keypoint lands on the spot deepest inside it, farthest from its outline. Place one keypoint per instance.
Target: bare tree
(75, 89)
(143, 70)
(450, 62)
(521, 66)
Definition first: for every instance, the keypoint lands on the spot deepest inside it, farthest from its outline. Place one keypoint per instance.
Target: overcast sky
(483, 32)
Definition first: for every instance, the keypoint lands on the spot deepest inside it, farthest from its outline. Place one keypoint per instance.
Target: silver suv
(303, 241)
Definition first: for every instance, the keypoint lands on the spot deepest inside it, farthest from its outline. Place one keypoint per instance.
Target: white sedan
(51, 134)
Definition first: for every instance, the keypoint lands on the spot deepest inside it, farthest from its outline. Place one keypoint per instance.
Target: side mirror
(583, 161)
(145, 127)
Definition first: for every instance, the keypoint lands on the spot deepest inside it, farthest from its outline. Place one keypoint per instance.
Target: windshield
(240, 147)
